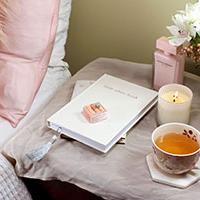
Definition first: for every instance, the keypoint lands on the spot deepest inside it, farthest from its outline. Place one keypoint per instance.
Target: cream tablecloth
(122, 173)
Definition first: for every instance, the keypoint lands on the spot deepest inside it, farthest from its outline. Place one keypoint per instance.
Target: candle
(174, 102)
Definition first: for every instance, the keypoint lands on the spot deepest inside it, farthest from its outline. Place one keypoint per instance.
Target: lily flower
(181, 31)
(186, 25)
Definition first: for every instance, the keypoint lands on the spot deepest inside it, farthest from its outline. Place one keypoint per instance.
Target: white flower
(192, 13)
(186, 25)
(196, 27)
(181, 31)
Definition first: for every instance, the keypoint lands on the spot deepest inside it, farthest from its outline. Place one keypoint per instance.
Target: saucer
(179, 181)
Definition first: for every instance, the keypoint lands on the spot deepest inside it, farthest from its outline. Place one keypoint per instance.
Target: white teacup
(175, 163)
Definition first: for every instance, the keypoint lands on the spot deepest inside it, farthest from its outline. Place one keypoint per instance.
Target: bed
(11, 186)
(106, 175)
(54, 22)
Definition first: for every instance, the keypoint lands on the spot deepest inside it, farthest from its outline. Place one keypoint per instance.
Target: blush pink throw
(27, 33)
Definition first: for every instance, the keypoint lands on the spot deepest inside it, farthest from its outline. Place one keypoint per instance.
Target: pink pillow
(29, 28)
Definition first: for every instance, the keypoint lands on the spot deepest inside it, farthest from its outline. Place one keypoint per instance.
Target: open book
(125, 103)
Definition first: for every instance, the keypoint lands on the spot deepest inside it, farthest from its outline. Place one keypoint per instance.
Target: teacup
(176, 147)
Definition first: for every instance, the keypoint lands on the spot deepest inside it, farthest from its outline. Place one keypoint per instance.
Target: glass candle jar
(174, 103)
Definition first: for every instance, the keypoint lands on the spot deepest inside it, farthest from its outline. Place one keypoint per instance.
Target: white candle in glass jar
(174, 103)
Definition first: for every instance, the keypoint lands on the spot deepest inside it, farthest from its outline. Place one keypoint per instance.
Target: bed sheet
(54, 78)
(118, 175)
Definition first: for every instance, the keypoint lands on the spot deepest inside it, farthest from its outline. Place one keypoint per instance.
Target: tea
(177, 143)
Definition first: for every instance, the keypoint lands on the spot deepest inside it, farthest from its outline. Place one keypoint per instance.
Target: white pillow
(58, 52)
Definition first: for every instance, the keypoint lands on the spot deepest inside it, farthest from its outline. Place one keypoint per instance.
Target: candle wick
(174, 98)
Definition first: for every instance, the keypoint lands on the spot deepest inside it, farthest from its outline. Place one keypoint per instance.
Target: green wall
(125, 29)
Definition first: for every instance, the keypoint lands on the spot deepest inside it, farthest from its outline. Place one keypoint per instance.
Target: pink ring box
(94, 112)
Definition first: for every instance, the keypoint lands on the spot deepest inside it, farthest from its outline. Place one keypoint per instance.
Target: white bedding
(11, 187)
(54, 78)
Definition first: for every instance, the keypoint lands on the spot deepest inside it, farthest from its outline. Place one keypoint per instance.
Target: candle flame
(175, 96)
